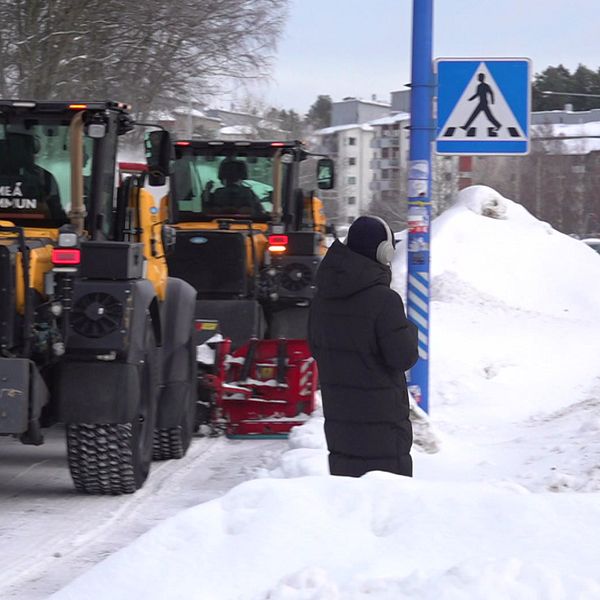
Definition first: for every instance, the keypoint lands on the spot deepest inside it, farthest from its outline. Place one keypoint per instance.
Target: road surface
(49, 534)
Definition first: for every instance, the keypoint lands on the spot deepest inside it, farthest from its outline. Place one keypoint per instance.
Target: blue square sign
(484, 106)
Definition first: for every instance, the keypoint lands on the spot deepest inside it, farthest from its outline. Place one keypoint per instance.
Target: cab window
(223, 185)
(35, 172)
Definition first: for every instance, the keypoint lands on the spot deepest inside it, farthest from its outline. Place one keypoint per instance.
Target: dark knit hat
(365, 235)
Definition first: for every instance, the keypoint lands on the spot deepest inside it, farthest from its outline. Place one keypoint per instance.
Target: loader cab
(243, 180)
(36, 163)
(234, 180)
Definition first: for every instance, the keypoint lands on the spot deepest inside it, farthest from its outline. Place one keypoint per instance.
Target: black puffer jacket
(363, 343)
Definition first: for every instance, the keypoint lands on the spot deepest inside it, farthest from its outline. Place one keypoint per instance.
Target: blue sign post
(419, 193)
(484, 106)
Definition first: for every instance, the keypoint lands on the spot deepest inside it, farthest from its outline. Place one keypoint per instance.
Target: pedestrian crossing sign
(484, 106)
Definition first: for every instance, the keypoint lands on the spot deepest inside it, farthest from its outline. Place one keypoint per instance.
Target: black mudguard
(238, 320)
(23, 394)
(178, 352)
(97, 392)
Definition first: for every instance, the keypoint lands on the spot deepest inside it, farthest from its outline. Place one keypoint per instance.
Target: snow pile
(380, 536)
(515, 400)
(486, 245)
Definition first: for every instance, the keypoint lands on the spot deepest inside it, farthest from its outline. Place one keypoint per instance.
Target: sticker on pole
(418, 221)
(483, 106)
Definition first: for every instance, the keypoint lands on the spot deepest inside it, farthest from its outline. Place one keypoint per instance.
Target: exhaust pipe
(78, 212)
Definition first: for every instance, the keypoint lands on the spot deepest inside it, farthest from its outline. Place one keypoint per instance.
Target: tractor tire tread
(168, 443)
(101, 459)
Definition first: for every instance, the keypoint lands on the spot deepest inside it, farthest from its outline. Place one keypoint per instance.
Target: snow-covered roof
(373, 102)
(564, 138)
(391, 119)
(238, 130)
(161, 115)
(194, 112)
(337, 128)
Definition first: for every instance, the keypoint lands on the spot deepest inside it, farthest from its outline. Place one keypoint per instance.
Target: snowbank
(515, 398)
(489, 249)
(380, 536)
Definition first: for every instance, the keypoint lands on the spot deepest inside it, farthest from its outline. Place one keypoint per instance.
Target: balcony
(386, 142)
(385, 163)
(384, 185)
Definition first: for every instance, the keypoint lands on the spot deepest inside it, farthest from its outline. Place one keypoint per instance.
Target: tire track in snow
(49, 534)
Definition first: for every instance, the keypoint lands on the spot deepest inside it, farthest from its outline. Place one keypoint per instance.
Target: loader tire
(115, 458)
(174, 442)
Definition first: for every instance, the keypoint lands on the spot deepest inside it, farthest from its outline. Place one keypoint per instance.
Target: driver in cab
(27, 190)
(235, 197)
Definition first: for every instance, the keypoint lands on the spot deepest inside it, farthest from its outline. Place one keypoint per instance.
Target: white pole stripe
(418, 285)
(417, 317)
(412, 297)
(423, 353)
(423, 338)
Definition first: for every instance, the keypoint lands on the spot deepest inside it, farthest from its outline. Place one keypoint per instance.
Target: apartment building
(390, 146)
(372, 158)
(349, 146)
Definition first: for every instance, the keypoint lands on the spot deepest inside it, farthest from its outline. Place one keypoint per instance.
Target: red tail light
(66, 256)
(278, 243)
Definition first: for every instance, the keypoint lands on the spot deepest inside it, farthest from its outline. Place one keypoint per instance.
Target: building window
(351, 141)
(385, 174)
(351, 199)
(385, 152)
(351, 180)
(352, 161)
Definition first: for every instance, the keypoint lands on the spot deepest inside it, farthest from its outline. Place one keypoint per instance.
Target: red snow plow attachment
(264, 388)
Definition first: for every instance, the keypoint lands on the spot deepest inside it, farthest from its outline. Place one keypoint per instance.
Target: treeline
(153, 52)
(559, 79)
(297, 125)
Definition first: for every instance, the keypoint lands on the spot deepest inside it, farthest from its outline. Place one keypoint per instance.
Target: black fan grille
(295, 277)
(96, 314)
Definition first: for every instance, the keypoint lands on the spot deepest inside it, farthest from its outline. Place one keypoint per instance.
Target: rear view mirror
(325, 174)
(158, 156)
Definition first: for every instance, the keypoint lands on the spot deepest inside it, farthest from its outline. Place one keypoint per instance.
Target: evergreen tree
(560, 79)
(319, 114)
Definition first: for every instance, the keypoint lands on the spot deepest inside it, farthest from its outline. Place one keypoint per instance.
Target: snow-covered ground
(508, 508)
(49, 534)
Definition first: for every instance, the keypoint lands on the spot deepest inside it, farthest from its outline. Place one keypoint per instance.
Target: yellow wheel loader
(249, 238)
(94, 334)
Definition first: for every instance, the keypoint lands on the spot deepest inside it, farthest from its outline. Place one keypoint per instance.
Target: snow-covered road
(49, 534)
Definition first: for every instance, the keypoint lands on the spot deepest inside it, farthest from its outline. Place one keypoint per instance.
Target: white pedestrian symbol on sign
(490, 117)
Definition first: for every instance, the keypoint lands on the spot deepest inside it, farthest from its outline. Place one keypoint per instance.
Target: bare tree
(154, 53)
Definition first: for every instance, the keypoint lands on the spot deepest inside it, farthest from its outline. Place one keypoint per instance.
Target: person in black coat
(363, 343)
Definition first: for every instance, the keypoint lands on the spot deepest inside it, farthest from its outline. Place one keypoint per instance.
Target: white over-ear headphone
(385, 250)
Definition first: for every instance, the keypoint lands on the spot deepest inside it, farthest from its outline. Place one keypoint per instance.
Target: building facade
(354, 110)
(350, 147)
(389, 158)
